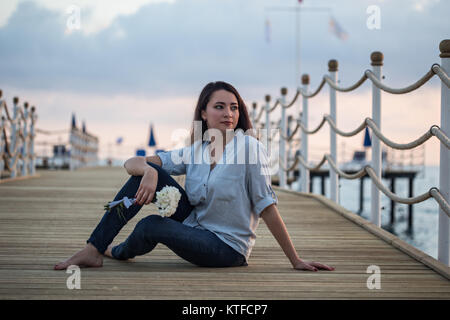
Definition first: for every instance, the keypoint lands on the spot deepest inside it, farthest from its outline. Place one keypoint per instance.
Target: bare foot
(87, 257)
(108, 252)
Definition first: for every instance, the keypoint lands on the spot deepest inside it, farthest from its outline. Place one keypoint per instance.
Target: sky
(123, 65)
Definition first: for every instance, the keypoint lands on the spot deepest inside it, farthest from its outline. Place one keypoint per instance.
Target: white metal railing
(442, 132)
(17, 138)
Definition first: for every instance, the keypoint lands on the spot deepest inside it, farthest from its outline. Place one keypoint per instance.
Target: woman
(218, 213)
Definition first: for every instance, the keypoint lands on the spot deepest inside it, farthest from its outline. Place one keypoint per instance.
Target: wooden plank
(38, 229)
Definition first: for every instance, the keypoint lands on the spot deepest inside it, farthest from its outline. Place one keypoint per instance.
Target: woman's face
(222, 111)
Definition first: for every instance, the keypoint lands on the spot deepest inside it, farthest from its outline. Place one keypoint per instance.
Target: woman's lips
(228, 122)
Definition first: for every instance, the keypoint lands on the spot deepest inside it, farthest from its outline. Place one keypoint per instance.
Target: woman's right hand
(147, 188)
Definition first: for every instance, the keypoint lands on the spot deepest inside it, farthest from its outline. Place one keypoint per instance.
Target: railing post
(282, 142)
(32, 163)
(73, 151)
(253, 114)
(267, 125)
(25, 159)
(290, 174)
(14, 136)
(444, 166)
(375, 209)
(304, 172)
(2, 144)
(334, 178)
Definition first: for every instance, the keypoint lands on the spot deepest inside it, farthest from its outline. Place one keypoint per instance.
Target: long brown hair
(244, 122)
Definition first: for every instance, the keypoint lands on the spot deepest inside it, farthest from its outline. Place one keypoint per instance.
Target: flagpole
(297, 45)
(297, 10)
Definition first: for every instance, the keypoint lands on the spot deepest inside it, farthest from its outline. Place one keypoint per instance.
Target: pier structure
(71, 149)
(17, 139)
(301, 162)
(47, 219)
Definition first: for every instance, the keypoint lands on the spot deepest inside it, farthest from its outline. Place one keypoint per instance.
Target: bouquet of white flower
(166, 200)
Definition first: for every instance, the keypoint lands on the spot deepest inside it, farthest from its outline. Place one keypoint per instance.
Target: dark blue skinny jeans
(200, 247)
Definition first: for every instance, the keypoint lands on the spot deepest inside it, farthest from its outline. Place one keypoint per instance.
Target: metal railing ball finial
(267, 98)
(305, 79)
(16, 100)
(377, 58)
(333, 65)
(283, 91)
(444, 47)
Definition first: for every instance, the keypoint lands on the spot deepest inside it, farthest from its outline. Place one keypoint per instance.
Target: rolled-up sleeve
(259, 183)
(174, 161)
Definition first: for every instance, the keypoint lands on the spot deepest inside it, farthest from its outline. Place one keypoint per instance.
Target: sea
(424, 233)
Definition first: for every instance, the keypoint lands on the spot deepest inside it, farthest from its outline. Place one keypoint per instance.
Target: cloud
(176, 47)
(421, 5)
(99, 13)
(168, 50)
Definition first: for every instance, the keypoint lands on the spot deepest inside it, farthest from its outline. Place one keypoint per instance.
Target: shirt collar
(237, 133)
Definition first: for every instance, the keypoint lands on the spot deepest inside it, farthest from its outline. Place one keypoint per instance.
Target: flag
(337, 29)
(74, 123)
(151, 142)
(84, 127)
(267, 30)
(119, 140)
(367, 141)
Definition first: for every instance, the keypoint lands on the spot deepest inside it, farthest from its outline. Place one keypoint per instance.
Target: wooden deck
(44, 220)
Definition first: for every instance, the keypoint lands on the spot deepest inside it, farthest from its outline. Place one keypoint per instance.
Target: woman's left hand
(311, 266)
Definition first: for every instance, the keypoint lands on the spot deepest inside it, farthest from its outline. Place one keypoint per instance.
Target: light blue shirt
(229, 199)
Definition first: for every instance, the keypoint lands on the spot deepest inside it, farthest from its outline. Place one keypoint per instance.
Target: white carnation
(167, 200)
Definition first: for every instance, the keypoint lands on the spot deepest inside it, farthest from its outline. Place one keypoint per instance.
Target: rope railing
(50, 132)
(274, 106)
(305, 130)
(372, 123)
(313, 94)
(436, 194)
(259, 115)
(368, 74)
(290, 104)
(407, 89)
(441, 74)
(292, 167)
(404, 146)
(368, 122)
(291, 136)
(342, 133)
(341, 89)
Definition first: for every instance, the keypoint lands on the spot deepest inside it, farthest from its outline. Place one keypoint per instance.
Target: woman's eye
(232, 107)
